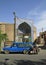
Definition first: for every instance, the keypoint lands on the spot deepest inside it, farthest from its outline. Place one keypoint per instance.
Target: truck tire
(25, 52)
(6, 52)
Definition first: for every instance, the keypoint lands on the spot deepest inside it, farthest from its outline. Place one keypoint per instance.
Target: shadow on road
(43, 47)
(28, 62)
(25, 62)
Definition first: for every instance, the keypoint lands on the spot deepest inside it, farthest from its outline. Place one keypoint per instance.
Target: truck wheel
(25, 52)
(6, 52)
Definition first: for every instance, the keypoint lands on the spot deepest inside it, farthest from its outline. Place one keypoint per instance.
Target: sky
(31, 9)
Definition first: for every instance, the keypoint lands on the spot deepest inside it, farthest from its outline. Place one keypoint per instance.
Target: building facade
(24, 30)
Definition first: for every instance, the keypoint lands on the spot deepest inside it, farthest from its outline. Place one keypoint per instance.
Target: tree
(3, 37)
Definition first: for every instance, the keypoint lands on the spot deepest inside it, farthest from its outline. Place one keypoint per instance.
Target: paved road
(24, 59)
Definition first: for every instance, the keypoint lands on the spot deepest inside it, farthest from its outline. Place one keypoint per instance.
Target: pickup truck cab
(24, 47)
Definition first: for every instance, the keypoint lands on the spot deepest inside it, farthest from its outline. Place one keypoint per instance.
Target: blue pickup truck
(24, 47)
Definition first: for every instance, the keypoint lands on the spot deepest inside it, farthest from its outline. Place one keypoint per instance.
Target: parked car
(24, 47)
(18, 47)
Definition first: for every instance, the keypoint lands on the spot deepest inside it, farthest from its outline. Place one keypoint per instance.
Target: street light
(14, 25)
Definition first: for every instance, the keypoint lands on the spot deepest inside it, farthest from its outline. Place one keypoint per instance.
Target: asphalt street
(23, 59)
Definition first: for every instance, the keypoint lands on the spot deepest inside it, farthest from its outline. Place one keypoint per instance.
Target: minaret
(42, 29)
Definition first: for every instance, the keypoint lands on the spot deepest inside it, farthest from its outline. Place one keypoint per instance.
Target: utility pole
(14, 25)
